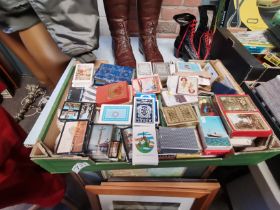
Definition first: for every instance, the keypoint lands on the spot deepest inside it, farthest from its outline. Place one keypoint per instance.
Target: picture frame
(170, 195)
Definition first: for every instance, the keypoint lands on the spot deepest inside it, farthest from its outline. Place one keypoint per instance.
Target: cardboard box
(43, 151)
(237, 59)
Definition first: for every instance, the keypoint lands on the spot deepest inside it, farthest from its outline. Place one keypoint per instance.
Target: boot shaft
(186, 21)
(148, 15)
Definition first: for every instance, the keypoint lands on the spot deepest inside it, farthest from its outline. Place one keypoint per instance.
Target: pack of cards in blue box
(115, 114)
(213, 134)
(144, 111)
(108, 73)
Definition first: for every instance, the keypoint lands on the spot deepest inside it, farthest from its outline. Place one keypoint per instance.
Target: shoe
(184, 46)
(148, 14)
(117, 18)
(204, 33)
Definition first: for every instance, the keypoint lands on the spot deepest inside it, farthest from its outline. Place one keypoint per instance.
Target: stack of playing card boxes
(158, 111)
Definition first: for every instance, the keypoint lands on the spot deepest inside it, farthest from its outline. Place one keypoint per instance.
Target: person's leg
(148, 14)
(117, 17)
(44, 50)
(13, 42)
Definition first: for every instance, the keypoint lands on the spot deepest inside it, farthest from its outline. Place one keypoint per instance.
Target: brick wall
(167, 27)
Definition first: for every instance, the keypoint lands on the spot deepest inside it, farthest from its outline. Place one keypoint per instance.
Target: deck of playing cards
(144, 146)
(115, 114)
(116, 93)
(183, 67)
(150, 84)
(178, 116)
(177, 99)
(144, 69)
(73, 138)
(214, 137)
(75, 94)
(99, 142)
(184, 140)
(77, 111)
(144, 111)
(127, 141)
(187, 85)
(83, 76)
(162, 69)
(241, 117)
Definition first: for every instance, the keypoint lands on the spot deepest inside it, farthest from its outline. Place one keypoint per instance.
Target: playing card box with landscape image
(73, 138)
(250, 124)
(214, 138)
(241, 117)
(83, 75)
(77, 111)
(235, 102)
(144, 146)
(183, 67)
(75, 94)
(126, 134)
(99, 142)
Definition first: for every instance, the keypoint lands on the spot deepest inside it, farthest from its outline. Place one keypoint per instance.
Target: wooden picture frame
(200, 194)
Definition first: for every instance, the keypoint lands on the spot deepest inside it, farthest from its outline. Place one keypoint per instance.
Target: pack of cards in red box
(115, 93)
(241, 116)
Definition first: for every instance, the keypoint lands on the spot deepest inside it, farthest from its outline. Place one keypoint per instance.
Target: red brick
(172, 2)
(167, 13)
(192, 3)
(169, 35)
(167, 27)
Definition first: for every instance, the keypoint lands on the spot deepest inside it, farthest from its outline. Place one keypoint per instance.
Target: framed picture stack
(152, 195)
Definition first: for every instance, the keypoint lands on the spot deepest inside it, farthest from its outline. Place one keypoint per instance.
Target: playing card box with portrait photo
(187, 85)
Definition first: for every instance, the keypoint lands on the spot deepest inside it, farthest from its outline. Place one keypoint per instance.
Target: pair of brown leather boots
(117, 16)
